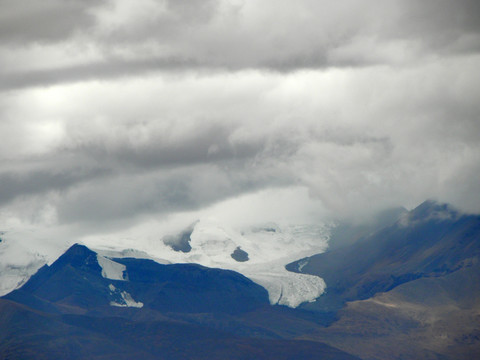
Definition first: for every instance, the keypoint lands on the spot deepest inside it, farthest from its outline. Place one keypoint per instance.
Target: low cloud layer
(114, 112)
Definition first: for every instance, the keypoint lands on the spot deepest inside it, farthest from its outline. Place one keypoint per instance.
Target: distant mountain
(81, 281)
(86, 306)
(434, 318)
(408, 291)
(430, 241)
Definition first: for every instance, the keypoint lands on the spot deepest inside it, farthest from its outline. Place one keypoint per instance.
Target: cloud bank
(114, 112)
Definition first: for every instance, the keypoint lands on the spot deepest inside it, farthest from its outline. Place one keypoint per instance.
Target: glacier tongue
(287, 288)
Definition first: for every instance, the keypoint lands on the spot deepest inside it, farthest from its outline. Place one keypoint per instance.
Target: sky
(118, 113)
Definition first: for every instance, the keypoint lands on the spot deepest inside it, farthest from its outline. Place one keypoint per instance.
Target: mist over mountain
(430, 241)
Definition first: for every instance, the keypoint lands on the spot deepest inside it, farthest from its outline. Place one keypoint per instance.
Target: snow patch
(111, 269)
(123, 298)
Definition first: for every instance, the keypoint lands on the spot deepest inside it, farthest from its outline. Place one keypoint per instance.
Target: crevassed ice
(287, 288)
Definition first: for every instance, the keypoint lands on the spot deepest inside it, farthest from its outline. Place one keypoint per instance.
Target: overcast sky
(114, 112)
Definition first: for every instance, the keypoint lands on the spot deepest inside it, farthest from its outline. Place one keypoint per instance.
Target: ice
(129, 302)
(124, 299)
(111, 269)
(287, 288)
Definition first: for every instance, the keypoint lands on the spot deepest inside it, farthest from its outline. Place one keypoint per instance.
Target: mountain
(86, 305)
(409, 290)
(430, 241)
(435, 318)
(82, 281)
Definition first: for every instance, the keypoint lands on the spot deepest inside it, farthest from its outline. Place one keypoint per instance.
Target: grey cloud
(421, 28)
(23, 21)
(437, 22)
(144, 184)
(93, 71)
(202, 35)
(127, 197)
(209, 144)
(126, 182)
(99, 181)
(13, 185)
(303, 35)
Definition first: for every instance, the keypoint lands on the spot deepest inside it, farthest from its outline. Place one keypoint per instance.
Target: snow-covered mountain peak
(258, 251)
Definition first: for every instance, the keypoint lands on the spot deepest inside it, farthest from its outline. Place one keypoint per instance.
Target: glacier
(269, 247)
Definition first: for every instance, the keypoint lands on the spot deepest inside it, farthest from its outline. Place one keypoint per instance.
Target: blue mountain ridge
(74, 283)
